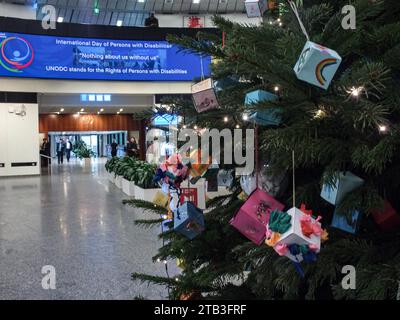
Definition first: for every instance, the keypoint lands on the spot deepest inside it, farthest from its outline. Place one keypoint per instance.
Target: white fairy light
(237, 126)
(225, 119)
(355, 92)
(245, 117)
(195, 127)
(276, 88)
(382, 128)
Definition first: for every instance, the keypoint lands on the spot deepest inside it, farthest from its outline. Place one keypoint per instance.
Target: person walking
(114, 146)
(68, 149)
(60, 148)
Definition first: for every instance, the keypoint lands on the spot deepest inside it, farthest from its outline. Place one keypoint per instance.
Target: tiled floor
(74, 221)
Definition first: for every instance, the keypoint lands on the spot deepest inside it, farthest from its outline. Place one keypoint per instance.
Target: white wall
(17, 11)
(75, 86)
(19, 139)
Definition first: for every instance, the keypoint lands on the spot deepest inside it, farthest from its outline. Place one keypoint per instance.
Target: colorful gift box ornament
(188, 220)
(342, 222)
(256, 8)
(317, 65)
(386, 218)
(265, 117)
(253, 216)
(294, 234)
(343, 184)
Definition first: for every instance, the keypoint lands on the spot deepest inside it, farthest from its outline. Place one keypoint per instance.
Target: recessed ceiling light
(141, 1)
(101, 110)
(60, 19)
(120, 110)
(82, 110)
(196, 1)
(62, 110)
(119, 23)
(117, 112)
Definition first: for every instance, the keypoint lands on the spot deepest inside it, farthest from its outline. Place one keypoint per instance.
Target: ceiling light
(120, 110)
(98, 112)
(60, 19)
(58, 112)
(141, 1)
(62, 110)
(101, 110)
(119, 23)
(82, 110)
(117, 112)
(196, 1)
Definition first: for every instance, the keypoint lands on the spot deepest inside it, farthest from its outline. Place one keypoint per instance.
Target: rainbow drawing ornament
(317, 65)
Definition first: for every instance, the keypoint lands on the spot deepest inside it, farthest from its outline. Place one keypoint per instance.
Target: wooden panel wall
(103, 122)
(72, 122)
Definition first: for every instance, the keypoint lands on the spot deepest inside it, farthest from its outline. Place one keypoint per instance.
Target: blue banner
(37, 56)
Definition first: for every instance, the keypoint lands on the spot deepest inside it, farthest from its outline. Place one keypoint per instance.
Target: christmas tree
(353, 126)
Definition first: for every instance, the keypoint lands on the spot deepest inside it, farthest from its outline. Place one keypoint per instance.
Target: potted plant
(145, 187)
(83, 152)
(130, 177)
(110, 168)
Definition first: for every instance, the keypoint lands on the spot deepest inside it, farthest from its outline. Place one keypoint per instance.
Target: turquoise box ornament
(262, 117)
(343, 184)
(317, 65)
(188, 220)
(343, 223)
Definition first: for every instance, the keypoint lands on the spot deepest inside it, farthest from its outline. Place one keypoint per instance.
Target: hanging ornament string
(256, 152)
(201, 67)
(294, 180)
(296, 13)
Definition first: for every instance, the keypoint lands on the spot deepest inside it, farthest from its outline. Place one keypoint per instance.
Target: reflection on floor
(73, 220)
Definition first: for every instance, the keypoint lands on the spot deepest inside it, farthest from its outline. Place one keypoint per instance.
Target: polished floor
(73, 220)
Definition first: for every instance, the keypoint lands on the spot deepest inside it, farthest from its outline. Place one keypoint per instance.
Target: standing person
(45, 150)
(114, 146)
(132, 148)
(151, 21)
(68, 149)
(60, 147)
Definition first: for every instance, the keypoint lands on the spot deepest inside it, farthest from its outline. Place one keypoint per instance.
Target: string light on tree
(237, 126)
(355, 91)
(276, 88)
(226, 119)
(195, 127)
(382, 128)
(245, 117)
(320, 113)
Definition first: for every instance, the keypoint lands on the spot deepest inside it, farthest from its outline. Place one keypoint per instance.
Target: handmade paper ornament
(253, 216)
(347, 224)
(256, 8)
(263, 117)
(225, 178)
(343, 184)
(166, 225)
(299, 234)
(160, 199)
(188, 220)
(197, 167)
(274, 184)
(204, 97)
(386, 218)
(172, 172)
(317, 65)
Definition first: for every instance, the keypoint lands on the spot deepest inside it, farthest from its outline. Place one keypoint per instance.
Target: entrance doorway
(98, 141)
